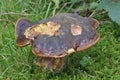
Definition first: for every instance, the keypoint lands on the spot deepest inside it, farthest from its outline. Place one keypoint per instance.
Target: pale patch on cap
(49, 28)
(76, 29)
(71, 50)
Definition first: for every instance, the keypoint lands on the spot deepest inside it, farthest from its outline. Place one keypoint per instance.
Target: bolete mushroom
(55, 38)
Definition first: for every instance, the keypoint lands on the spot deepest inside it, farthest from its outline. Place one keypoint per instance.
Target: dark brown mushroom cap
(21, 26)
(76, 33)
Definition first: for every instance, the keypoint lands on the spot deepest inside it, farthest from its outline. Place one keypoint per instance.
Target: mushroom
(55, 38)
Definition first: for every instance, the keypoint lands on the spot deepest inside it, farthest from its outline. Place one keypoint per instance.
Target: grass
(101, 62)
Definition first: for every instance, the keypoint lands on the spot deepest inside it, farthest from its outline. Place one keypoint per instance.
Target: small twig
(13, 13)
(92, 13)
(91, 76)
(3, 20)
(54, 11)
(63, 6)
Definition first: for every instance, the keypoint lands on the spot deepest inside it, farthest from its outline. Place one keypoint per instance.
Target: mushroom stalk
(54, 64)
